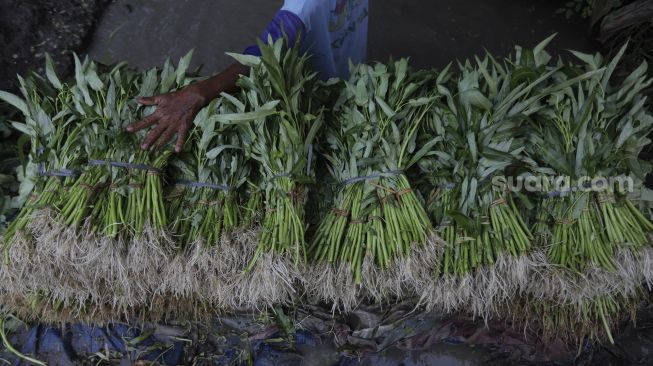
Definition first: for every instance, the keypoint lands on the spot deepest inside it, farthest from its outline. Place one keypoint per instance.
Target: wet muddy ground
(370, 336)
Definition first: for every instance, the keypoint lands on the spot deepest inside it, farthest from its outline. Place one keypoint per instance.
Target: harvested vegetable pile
(578, 255)
(111, 230)
(94, 229)
(377, 236)
(208, 206)
(414, 196)
(594, 242)
(485, 261)
(283, 115)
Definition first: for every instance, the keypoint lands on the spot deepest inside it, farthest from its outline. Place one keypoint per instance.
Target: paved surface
(432, 33)
(28, 29)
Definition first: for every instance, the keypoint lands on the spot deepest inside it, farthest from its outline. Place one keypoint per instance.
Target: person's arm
(176, 111)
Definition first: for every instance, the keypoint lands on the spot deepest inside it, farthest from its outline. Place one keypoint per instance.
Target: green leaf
(182, 67)
(213, 153)
(15, 101)
(362, 95)
(148, 87)
(21, 127)
(475, 98)
(385, 107)
(579, 205)
(561, 86)
(517, 93)
(246, 60)
(44, 123)
(613, 64)
(401, 68)
(471, 145)
(80, 79)
(50, 73)
(587, 58)
(94, 81)
(540, 56)
(237, 118)
(239, 105)
(315, 127)
(463, 221)
(168, 77)
(427, 148)
(419, 102)
(473, 187)
(23, 140)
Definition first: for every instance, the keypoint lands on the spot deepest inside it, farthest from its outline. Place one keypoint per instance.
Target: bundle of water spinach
(283, 114)
(377, 240)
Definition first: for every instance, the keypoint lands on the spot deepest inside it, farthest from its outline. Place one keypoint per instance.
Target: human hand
(174, 114)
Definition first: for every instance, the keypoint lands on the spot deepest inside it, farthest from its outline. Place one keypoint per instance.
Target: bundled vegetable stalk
(488, 257)
(595, 242)
(280, 122)
(53, 131)
(8, 163)
(377, 236)
(9, 197)
(104, 230)
(594, 135)
(122, 192)
(208, 207)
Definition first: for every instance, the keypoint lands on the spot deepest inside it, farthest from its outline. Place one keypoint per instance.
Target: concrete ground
(29, 29)
(432, 33)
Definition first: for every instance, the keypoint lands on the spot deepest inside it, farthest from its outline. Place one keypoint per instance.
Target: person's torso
(336, 32)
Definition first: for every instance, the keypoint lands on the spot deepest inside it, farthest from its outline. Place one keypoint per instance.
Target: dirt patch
(29, 29)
